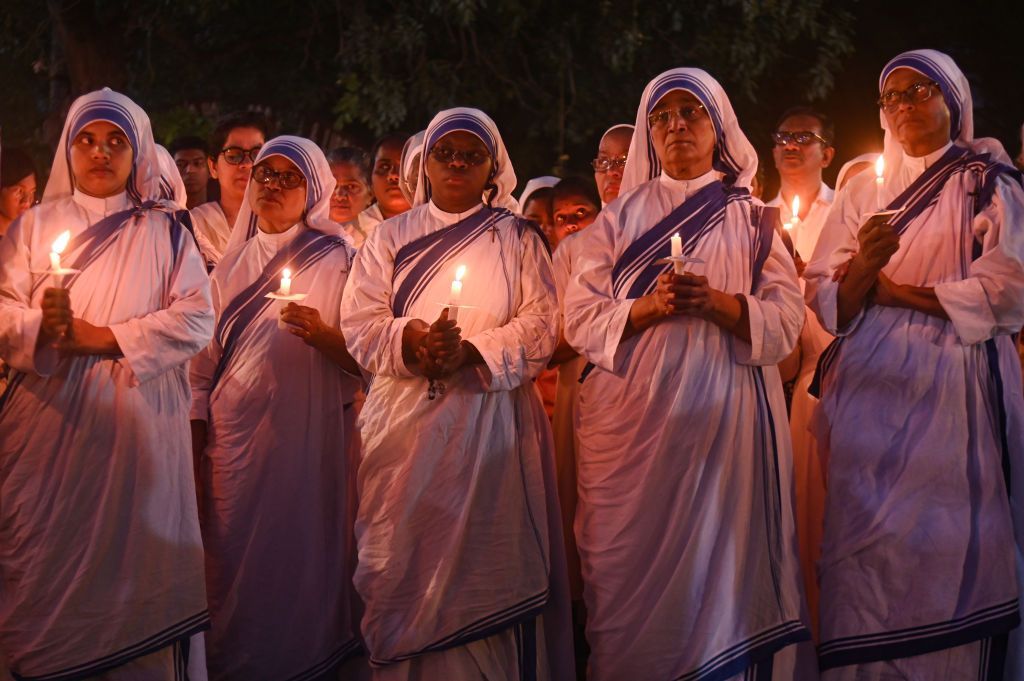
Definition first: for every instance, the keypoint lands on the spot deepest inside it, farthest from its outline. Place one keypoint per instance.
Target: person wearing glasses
(234, 144)
(352, 194)
(612, 150)
(452, 307)
(803, 148)
(922, 408)
(191, 158)
(684, 518)
(273, 431)
(17, 185)
(100, 549)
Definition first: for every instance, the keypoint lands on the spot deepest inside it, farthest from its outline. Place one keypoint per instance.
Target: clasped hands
(683, 294)
(70, 335)
(437, 350)
(878, 241)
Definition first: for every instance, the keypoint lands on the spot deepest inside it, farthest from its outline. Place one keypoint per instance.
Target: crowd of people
(368, 415)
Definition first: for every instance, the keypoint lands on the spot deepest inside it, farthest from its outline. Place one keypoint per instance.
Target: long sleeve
(594, 319)
(836, 245)
(19, 320)
(989, 303)
(372, 333)
(519, 350)
(776, 311)
(203, 366)
(161, 340)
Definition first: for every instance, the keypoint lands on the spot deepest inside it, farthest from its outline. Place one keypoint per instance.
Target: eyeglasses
(447, 155)
(660, 119)
(915, 94)
(286, 179)
(801, 137)
(572, 218)
(353, 189)
(602, 164)
(237, 155)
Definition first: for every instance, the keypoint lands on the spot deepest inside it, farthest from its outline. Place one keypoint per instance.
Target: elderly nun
(684, 521)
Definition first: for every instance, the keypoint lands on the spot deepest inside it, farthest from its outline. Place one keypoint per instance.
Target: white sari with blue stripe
(684, 521)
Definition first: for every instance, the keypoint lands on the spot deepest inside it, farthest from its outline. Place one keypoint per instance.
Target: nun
(452, 307)
(100, 547)
(274, 427)
(921, 397)
(684, 521)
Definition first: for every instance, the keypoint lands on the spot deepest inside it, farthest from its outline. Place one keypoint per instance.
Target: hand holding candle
(455, 299)
(677, 251)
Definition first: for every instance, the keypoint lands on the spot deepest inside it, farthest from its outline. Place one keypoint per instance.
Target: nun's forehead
(686, 93)
(902, 72)
(107, 112)
(280, 155)
(464, 134)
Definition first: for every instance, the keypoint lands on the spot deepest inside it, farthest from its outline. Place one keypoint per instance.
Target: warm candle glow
(677, 250)
(286, 282)
(796, 209)
(460, 273)
(879, 169)
(58, 247)
(456, 292)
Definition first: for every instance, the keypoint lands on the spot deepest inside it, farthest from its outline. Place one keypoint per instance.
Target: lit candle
(456, 294)
(286, 283)
(796, 210)
(58, 247)
(879, 172)
(677, 251)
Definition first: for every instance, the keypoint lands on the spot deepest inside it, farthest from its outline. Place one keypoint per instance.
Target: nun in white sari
(461, 566)
(921, 393)
(99, 537)
(277, 474)
(684, 521)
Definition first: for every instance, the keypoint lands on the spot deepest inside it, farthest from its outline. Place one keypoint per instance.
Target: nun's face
(101, 159)
(458, 167)
(683, 135)
(278, 194)
(17, 198)
(351, 195)
(613, 149)
(921, 127)
(386, 169)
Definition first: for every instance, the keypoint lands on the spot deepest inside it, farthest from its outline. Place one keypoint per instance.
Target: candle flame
(460, 273)
(62, 242)
(676, 235)
(286, 274)
(796, 207)
(879, 166)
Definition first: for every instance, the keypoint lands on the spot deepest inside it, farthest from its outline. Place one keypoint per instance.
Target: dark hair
(15, 166)
(187, 142)
(828, 128)
(576, 187)
(233, 121)
(353, 156)
(397, 139)
(544, 195)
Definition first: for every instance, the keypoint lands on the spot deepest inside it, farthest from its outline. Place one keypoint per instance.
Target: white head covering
(627, 126)
(313, 165)
(863, 158)
(534, 184)
(480, 124)
(412, 159)
(734, 155)
(112, 107)
(956, 92)
(172, 187)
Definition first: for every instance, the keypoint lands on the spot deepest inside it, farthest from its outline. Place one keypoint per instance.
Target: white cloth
(847, 167)
(359, 230)
(278, 477)
(806, 232)
(458, 518)
(212, 230)
(172, 187)
(533, 185)
(481, 125)
(919, 547)
(412, 159)
(101, 552)
(703, 583)
(735, 157)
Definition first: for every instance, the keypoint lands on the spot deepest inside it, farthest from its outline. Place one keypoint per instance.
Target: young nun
(412, 156)
(351, 169)
(921, 393)
(610, 162)
(461, 565)
(101, 552)
(684, 521)
(272, 419)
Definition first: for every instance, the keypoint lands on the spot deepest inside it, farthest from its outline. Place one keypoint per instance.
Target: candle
(456, 293)
(677, 251)
(796, 210)
(286, 283)
(879, 172)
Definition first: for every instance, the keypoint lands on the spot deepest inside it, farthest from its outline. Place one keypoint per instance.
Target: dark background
(552, 74)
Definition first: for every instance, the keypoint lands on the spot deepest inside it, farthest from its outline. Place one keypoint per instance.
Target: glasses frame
(814, 137)
(689, 113)
(603, 165)
(272, 175)
(453, 154)
(250, 154)
(906, 95)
